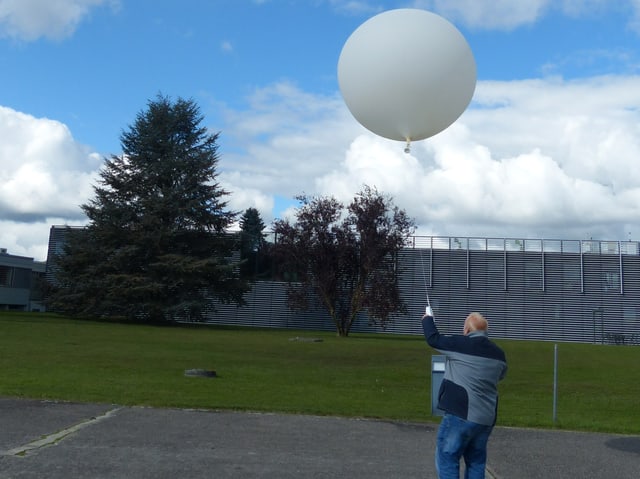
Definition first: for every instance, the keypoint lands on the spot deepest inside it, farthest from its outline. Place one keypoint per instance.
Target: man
(468, 395)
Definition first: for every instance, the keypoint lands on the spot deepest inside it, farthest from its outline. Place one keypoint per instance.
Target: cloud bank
(29, 20)
(542, 158)
(530, 158)
(44, 177)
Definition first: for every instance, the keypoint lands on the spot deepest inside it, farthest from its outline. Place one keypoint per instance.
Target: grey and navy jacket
(473, 367)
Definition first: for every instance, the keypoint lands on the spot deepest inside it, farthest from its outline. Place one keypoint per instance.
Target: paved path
(54, 440)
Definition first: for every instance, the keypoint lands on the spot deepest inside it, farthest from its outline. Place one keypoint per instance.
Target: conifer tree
(156, 247)
(253, 245)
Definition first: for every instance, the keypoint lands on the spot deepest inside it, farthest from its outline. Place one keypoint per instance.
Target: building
(55, 247)
(534, 289)
(560, 290)
(20, 283)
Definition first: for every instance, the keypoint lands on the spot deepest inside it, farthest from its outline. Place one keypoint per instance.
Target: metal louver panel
(552, 290)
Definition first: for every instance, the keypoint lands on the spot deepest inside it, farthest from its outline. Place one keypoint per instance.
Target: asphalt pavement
(55, 440)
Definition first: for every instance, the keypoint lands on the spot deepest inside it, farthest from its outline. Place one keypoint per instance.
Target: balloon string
(407, 148)
(424, 278)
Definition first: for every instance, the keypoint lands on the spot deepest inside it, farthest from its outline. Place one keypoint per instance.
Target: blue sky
(547, 148)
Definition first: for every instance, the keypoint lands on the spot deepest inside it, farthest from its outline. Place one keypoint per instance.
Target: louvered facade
(556, 290)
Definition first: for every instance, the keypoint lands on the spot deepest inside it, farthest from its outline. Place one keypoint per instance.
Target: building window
(629, 314)
(571, 277)
(533, 276)
(6, 276)
(610, 281)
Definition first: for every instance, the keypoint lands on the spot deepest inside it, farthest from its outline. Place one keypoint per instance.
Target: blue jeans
(458, 438)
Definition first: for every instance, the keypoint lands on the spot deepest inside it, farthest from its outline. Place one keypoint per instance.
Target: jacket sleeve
(435, 339)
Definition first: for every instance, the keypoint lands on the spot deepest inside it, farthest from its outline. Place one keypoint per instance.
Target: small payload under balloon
(406, 74)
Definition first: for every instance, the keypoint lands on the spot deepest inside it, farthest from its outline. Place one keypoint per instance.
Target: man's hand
(429, 311)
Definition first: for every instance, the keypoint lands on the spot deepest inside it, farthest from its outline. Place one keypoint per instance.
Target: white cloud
(30, 239)
(541, 158)
(501, 14)
(283, 141)
(372, 161)
(44, 173)
(241, 199)
(537, 158)
(509, 14)
(29, 20)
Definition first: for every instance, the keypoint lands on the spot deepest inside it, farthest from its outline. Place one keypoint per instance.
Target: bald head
(475, 322)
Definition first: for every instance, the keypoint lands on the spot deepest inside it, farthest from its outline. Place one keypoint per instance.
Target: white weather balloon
(406, 74)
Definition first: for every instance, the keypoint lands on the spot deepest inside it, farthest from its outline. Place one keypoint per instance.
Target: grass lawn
(365, 375)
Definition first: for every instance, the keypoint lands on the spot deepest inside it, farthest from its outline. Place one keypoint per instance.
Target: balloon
(406, 74)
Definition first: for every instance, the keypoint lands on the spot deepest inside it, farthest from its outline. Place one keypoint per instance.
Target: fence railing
(532, 245)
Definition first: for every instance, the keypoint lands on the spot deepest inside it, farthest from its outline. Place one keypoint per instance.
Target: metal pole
(555, 383)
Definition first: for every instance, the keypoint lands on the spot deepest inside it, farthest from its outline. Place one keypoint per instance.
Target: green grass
(365, 375)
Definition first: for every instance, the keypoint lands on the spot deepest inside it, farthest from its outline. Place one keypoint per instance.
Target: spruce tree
(253, 245)
(156, 247)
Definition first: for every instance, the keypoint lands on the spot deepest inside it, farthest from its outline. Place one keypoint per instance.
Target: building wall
(18, 276)
(55, 247)
(552, 290)
(581, 291)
